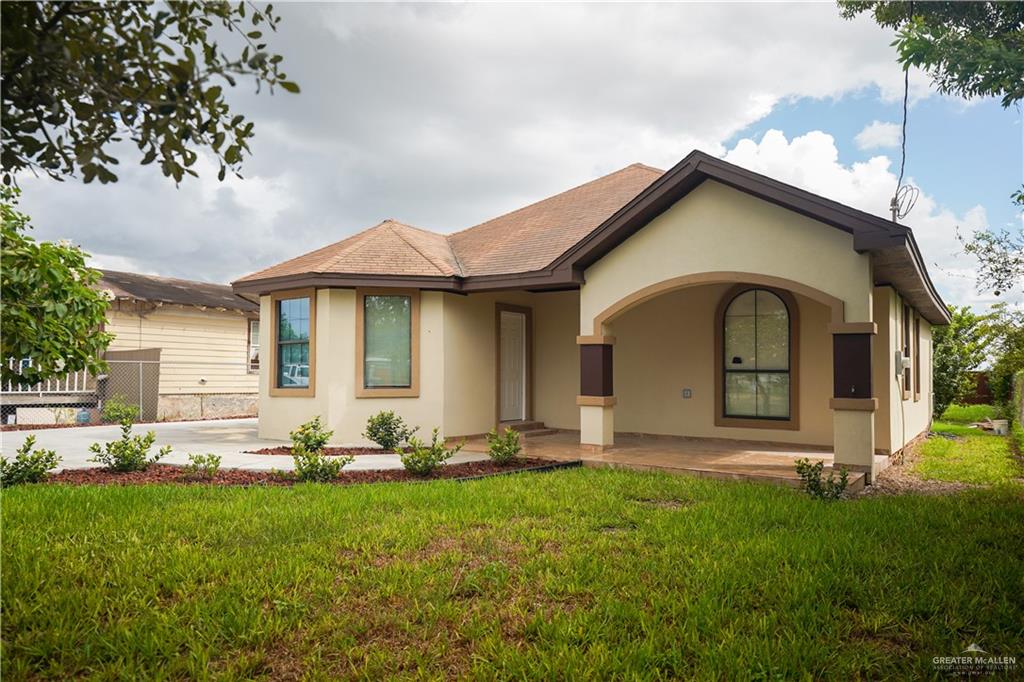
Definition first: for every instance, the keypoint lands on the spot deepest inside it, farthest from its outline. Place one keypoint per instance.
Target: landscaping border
(544, 468)
(248, 478)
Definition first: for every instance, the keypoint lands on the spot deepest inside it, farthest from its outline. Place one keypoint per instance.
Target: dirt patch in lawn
(166, 473)
(333, 452)
(655, 503)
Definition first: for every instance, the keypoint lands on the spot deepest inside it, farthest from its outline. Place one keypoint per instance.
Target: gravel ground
(898, 479)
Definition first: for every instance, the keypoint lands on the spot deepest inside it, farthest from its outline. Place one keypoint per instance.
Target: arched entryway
(662, 362)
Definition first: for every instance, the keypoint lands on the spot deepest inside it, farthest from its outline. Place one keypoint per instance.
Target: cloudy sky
(442, 116)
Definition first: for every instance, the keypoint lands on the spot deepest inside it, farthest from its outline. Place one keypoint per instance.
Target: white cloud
(811, 161)
(446, 115)
(878, 135)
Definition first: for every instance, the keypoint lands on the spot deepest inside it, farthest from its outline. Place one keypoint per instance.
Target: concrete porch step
(521, 426)
(533, 433)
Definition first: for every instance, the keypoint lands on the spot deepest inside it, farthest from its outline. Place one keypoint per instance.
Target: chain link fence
(160, 389)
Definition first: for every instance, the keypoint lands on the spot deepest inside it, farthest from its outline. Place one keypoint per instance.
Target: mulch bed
(166, 473)
(34, 427)
(287, 450)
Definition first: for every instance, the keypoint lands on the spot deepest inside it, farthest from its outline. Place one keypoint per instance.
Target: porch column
(596, 399)
(853, 403)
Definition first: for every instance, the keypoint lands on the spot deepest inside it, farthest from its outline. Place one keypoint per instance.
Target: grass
(573, 575)
(976, 457)
(967, 414)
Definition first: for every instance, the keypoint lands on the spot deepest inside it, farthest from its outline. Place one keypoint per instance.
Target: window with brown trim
(387, 343)
(906, 350)
(917, 358)
(253, 354)
(293, 343)
(756, 359)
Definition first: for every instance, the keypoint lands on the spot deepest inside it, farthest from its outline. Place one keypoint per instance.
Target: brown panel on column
(851, 365)
(596, 369)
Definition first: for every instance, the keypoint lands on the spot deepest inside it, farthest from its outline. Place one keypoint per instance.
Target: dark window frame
(789, 352)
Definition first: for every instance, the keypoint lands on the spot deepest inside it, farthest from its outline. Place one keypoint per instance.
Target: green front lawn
(576, 574)
(975, 457)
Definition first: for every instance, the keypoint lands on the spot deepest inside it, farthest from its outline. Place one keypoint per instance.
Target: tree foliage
(970, 49)
(1004, 330)
(1000, 257)
(79, 77)
(50, 309)
(959, 348)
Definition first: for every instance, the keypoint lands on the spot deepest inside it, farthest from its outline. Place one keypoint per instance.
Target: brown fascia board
(326, 280)
(923, 270)
(540, 280)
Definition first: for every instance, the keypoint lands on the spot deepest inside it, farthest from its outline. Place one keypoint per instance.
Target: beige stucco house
(182, 349)
(706, 301)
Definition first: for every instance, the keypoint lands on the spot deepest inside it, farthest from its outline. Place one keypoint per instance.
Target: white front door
(513, 366)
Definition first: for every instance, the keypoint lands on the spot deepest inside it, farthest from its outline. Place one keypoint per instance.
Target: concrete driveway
(225, 437)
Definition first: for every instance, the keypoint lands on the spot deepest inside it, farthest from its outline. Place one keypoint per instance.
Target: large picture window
(756, 357)
(388, 348)
(387, 338)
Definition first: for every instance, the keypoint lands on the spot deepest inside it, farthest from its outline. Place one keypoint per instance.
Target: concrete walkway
(225, 437)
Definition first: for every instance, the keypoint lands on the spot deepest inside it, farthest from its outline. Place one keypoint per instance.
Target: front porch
(706, 457)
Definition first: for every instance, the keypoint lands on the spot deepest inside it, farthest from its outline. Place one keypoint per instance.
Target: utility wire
(903, 137)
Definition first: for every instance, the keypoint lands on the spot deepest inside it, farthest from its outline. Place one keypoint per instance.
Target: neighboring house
(194, 345)
(707, 301)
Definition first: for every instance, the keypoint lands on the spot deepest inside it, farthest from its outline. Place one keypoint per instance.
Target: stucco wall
(898, 420)
(457, 367)
(470, 371)
(716, 228)
(557, 364)
(667, 344)
(279, 416)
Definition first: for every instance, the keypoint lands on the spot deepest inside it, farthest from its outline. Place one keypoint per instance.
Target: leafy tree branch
(81, 76)
(51, 311)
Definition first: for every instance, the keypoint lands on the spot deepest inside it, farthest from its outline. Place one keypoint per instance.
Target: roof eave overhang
(548, 279)
(901, 266)
(871, 234)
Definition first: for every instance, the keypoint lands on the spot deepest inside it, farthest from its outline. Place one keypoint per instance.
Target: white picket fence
(72, 382)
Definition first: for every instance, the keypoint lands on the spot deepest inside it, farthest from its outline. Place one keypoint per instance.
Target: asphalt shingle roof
(524, 240)
(131, 285)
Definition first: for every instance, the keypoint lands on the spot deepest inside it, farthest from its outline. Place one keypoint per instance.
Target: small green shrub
(388, 430)
(116, 410)
(421, 459)
(315, 467)
(28, 465)
(130, 453)
(505, 448)
(818, 488)
(311, 437)
(203, 466)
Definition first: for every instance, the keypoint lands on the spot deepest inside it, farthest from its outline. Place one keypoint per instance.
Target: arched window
(756, 356)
